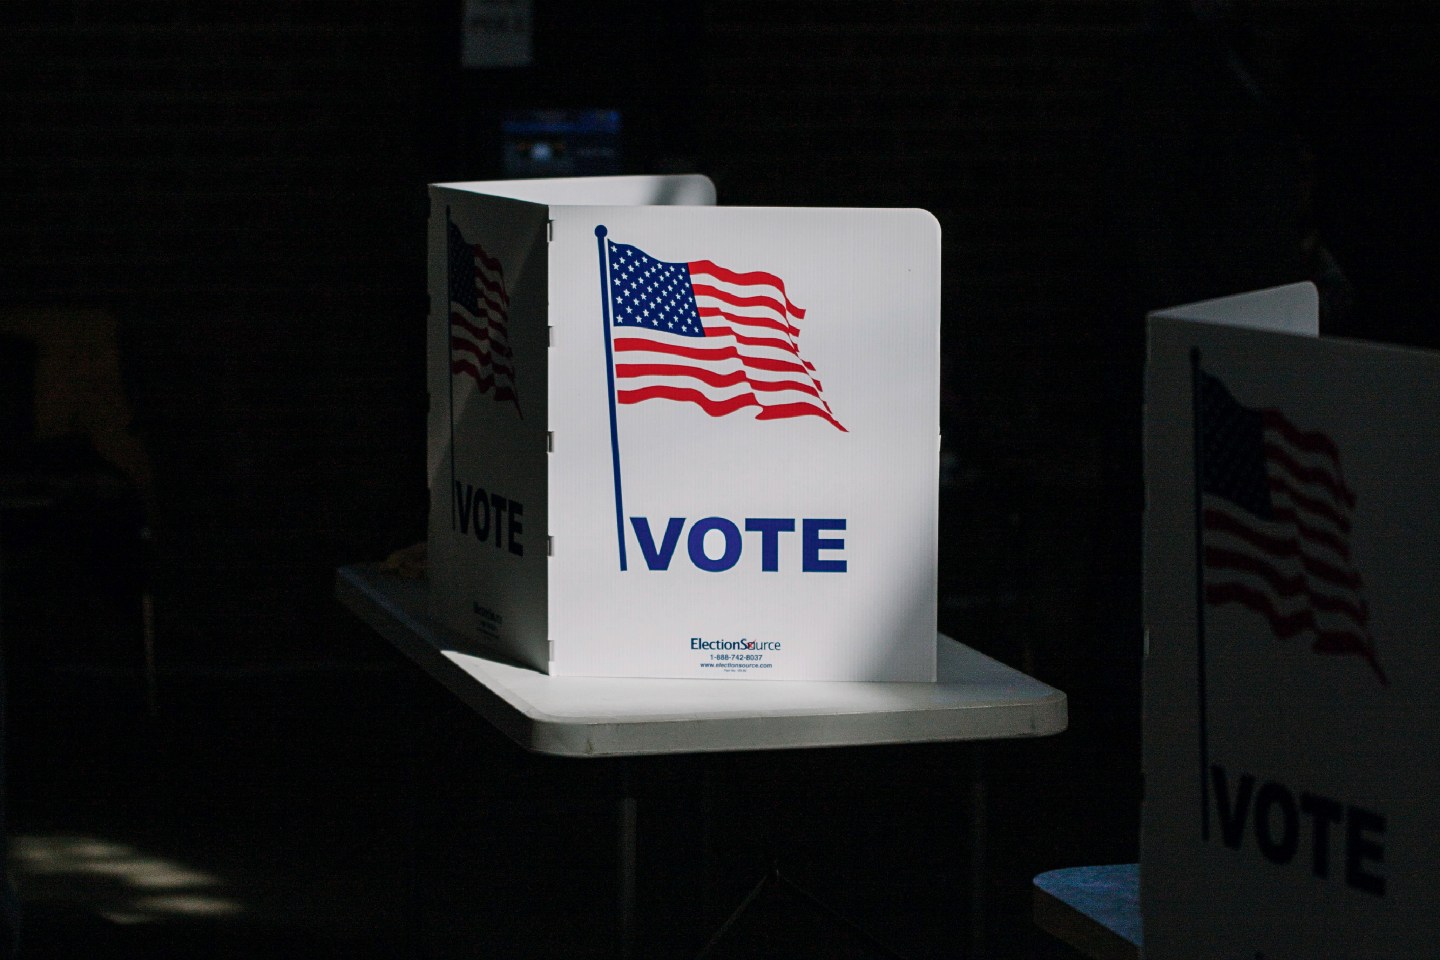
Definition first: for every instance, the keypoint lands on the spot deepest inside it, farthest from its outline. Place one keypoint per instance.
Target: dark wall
(242, 185)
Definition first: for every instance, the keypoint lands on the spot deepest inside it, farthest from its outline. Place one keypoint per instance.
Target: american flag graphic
(479, 319)
(1276, 516)
(700, 333)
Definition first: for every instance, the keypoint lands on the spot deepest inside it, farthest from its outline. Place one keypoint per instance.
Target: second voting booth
(1292, 606)
(673, 439)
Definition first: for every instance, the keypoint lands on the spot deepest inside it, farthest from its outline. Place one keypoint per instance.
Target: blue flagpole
(1198, 426)
(449, 361)
(600, 233)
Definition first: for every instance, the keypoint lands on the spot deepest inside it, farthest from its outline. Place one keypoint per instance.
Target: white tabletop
(976, 698)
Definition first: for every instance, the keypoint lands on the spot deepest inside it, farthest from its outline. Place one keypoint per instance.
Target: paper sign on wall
(496, 33)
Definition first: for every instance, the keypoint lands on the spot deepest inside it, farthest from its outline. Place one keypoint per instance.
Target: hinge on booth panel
(549, 231)
(549, 546)
(550, 441)
(550, 336)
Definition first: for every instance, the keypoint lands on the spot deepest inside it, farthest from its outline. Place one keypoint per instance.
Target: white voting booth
(1292, 606)
(672, 439)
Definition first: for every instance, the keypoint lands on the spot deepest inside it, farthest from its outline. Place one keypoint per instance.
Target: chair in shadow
(76, 485)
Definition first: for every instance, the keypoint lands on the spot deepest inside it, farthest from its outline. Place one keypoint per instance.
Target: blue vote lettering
(813, 543)
(480, 513)
(715, 544)
(657, 559)
(728, 531)
(769, 529)
(1273, 812)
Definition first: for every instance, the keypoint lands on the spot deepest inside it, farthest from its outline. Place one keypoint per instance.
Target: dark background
(241, 186)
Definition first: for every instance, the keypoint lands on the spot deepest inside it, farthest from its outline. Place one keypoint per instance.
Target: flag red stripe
(1344, 608)
(1313, 504)
(460, 343)
(716, 408)
(719, 330)
(715, 332)
(765, 322)
(735, 300)
(498, 348)
(489, 262)
(624, 344)
(1331, 574)
(798, 409)
(461, 321)
(485, 283)
(485, 380)
(490, 358)
(720, 408)
(1309, 474)
(1284, 625)
(710, 377)
(1219, 558)
(1310, 531)
(743, 340)
(1285, 586)
(494, 378)
(754, 277)
(1340, 642)
(499, 309)
(1309, 441)
(1345, 643)
(1223, 522)
(483, 334)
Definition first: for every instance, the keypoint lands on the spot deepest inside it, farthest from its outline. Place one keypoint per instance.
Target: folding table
(975, 698)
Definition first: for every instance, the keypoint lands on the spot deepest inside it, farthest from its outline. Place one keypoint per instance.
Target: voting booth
(673, 439)
(1292, 607)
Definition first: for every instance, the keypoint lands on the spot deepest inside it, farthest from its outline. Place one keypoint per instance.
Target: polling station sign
(674, 439)
(1292, 595)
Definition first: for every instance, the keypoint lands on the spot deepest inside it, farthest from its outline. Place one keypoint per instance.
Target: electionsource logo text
(696, 643)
